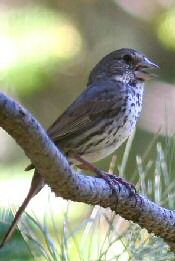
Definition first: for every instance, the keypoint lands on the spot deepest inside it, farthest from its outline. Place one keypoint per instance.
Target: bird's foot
(114, 180)
(111, 179)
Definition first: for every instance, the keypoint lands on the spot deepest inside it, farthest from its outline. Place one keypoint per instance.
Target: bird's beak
(146, 63)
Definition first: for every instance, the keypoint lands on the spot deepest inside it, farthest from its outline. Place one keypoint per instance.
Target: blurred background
(47, 49)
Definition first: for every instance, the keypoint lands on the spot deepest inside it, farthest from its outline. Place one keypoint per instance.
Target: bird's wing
(91, 104)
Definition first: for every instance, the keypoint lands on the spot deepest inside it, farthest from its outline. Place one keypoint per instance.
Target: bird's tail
(36, 185)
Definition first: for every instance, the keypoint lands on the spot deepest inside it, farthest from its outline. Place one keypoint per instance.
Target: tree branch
(66, 183)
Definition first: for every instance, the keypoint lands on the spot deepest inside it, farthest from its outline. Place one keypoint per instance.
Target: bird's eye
(127, 58)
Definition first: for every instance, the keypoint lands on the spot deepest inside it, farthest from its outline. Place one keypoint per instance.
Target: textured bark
(66, 183)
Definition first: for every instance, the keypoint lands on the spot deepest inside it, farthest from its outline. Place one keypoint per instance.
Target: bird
(100, 119)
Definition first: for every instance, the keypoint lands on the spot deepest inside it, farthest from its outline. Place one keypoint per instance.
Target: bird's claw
(114, 180)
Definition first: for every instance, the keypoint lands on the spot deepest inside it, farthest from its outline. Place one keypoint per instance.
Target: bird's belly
(101, 153)
(105, 144)
(110, 133)
(109, 144)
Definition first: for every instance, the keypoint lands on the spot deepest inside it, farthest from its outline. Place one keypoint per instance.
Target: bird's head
(123, 65)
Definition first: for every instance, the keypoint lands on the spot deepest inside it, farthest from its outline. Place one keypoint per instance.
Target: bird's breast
(115, 128)
(130, 113)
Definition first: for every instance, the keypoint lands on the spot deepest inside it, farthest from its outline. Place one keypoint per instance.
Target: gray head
(123, 64)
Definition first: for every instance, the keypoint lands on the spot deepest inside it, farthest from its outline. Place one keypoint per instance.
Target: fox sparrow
(101, 118)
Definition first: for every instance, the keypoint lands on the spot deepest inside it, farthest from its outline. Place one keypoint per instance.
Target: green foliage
(32, 40)
(165, 31)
